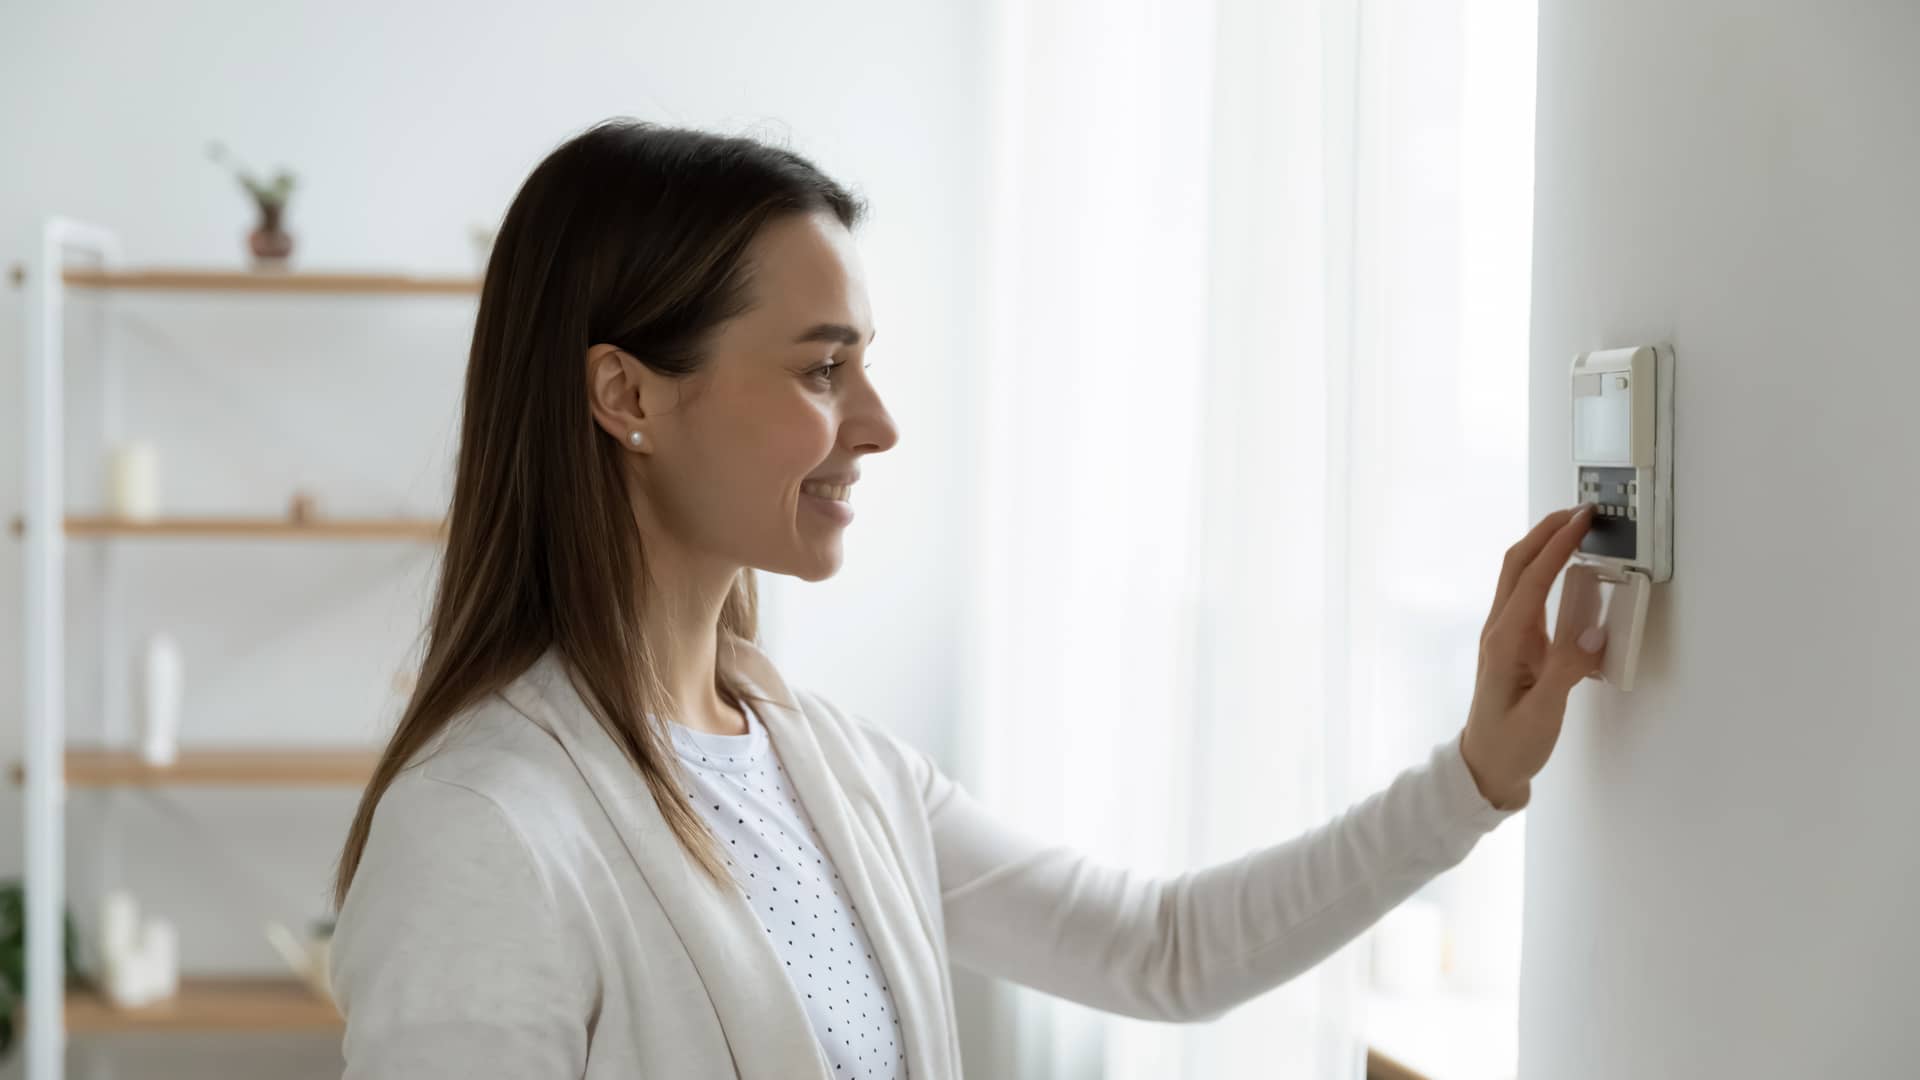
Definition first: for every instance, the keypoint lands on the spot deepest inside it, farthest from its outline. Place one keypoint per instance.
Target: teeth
(828, 491)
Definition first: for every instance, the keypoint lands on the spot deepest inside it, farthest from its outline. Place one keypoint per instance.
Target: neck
(680, 617)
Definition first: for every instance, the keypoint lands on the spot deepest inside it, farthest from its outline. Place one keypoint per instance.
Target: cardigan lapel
(861, 848)
(761, 1016)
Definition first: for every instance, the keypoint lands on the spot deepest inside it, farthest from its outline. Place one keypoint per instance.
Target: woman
(608, 840)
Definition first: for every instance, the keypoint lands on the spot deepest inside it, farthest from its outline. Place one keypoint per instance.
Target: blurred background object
(270, 243)
(482, 235)
(163, 686)
(13, 962)
(309, 958)
(134, 491)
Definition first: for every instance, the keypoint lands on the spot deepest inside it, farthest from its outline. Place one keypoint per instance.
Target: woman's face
(750, 461)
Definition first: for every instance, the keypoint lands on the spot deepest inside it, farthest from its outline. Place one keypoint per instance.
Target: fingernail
(1583, 509)
(1594, 637)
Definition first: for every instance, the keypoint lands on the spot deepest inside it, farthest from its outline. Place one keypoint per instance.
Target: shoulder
(494, 764)
(496, 751)
(467, 844)
(461, 912)
(493, 798)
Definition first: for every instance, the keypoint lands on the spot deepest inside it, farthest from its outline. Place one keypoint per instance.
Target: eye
(825, 371)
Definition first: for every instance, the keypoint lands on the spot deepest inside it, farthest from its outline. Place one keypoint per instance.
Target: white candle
(127, 982)
(134, 481)
(160, 952)
(119, 924)
(124, 975)
(160, 717)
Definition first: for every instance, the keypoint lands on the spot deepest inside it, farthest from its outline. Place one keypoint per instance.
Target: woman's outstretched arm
(1192, 946)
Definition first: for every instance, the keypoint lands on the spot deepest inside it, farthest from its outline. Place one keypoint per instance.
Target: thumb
(1575, 656)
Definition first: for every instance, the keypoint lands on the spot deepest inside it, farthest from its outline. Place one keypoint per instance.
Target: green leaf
(13, 956)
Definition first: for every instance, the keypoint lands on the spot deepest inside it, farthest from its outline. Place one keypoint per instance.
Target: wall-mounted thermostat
(1623, 465)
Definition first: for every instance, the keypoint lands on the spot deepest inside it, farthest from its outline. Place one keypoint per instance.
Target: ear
(614, 380)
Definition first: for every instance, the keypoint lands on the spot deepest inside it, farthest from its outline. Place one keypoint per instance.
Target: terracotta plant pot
(271, 245)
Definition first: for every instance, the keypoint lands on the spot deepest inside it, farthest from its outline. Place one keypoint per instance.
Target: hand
(1520, 693)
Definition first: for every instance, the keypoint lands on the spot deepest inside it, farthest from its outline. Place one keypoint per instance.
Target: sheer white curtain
(1250, 434)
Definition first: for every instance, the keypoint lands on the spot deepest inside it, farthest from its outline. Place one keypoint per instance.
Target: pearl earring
(634, 439)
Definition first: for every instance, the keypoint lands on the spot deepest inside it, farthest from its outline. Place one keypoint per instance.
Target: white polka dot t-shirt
(742, 790)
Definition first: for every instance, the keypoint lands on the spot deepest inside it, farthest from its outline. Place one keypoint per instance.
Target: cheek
(760, 457)
(795, 443)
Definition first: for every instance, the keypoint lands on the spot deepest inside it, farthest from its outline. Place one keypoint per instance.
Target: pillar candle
(134, 481)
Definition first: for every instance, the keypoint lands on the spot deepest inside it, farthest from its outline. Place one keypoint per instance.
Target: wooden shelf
(270, 281)
(252, 528)
(1382, 1067)
(276, 767)
(210, 1004)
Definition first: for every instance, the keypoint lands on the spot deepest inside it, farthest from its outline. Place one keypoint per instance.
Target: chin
(819, 571)
(810, 566)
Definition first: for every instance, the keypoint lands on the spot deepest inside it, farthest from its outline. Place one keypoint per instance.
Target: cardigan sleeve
(1193, 946)
(448, 960)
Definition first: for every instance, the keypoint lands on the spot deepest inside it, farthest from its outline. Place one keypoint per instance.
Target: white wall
(406, 123)
(1721, 865)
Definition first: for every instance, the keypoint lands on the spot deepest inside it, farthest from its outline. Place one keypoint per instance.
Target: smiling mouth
(836, 492)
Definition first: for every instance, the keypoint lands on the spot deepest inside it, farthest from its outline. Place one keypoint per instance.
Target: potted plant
(271, 244)
(13, 958)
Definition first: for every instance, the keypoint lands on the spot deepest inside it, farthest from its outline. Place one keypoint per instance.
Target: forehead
(806, 270)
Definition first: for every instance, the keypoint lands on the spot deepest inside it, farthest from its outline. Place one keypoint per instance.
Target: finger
(1519, 555)
(1576, 654)
(1581, 603)
(1530, 594)
(1523, 553)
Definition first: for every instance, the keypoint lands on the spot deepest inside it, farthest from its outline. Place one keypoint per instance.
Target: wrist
(1500, 794)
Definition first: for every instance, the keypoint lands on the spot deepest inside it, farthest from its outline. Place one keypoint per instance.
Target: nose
(868, 426)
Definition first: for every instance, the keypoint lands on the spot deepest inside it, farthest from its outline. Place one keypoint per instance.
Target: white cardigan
(522, 910)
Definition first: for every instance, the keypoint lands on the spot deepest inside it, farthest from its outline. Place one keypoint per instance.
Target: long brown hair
(633, 234)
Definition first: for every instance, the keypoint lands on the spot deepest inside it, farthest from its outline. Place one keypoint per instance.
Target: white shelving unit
(49, 766)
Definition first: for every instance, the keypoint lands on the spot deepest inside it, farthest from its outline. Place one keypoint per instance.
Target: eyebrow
(840, 332)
